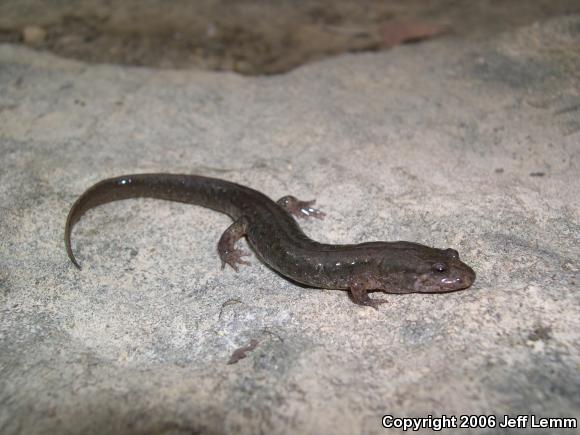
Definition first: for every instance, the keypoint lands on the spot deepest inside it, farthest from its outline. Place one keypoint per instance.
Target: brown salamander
(276, 238)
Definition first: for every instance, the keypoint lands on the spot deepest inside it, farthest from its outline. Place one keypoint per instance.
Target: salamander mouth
(454, 283)
(429, 283)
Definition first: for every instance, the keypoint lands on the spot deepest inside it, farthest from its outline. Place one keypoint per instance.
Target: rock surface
(466, 145)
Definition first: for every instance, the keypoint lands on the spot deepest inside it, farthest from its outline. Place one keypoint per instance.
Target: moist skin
(276, 238)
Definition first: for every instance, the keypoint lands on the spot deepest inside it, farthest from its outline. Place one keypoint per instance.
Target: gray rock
(468, 145)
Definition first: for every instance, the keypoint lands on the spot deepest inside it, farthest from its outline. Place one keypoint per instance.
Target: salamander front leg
(226, 246)
(300, 209)
(358, 292)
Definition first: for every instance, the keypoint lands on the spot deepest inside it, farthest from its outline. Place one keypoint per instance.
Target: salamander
(276, 238)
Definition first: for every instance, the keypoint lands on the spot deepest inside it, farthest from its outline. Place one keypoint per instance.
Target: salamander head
(444, 273)
(420, 269)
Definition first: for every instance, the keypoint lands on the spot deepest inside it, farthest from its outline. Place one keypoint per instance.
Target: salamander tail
(67, 234)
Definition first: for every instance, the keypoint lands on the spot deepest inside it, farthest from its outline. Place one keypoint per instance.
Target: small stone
(33, 35)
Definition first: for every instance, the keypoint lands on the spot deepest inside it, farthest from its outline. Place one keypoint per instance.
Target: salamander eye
(439, 267)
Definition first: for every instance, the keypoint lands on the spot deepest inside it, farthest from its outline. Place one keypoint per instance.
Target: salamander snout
(445, 276)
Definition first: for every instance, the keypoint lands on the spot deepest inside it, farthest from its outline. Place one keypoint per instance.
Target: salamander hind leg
(226, 246)
(300, 209)
(358, 292)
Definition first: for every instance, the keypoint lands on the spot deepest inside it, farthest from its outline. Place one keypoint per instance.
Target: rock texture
(466, 145)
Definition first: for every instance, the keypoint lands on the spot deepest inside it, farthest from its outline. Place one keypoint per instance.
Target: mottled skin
(393, 267)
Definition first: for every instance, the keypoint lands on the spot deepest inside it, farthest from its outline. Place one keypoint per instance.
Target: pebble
(33, 35)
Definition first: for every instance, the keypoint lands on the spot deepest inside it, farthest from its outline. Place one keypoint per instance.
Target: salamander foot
(233, 258)
(226, 246)
(300, 209)
(359, 295)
